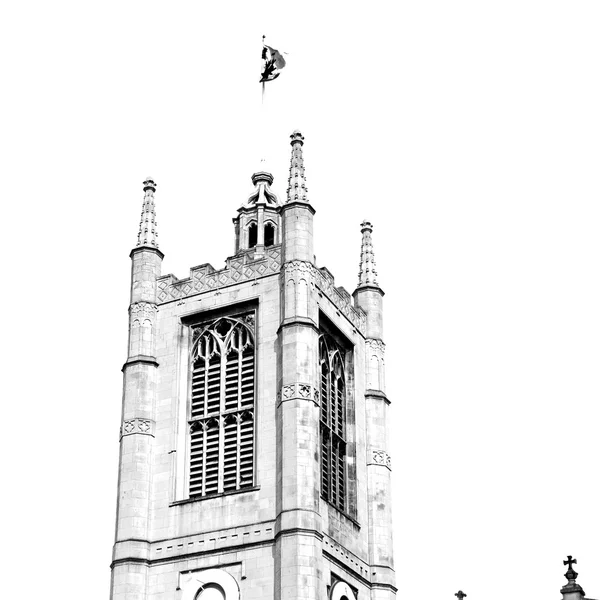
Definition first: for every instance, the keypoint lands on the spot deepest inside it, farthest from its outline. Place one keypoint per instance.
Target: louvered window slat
(222, 408)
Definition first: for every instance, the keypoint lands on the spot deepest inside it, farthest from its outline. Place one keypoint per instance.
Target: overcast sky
(468, 132)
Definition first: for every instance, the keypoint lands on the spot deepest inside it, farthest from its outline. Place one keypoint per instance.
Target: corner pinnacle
(367, 274)
(297, 190)
(148, 235)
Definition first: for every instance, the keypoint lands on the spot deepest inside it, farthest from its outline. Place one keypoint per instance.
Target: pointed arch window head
(333, 422)
(269, 234)
(222, 406)
(252, 235)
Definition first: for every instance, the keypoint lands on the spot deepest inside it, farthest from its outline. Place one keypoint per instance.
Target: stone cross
(570, 561)
(460, 595)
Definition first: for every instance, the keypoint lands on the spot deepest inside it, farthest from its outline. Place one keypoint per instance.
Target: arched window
(222, 406)
(269, 234)
(252, 235)
(333, 419)
(210, 584)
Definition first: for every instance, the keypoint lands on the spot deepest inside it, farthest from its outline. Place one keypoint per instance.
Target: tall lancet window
(333, 419)
(222, 406)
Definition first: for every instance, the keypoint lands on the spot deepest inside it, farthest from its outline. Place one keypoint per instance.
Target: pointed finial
(297, 190)
(147, 235)
(367, 274)
(460, 595)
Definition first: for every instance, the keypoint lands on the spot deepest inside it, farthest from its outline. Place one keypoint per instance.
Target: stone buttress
(298, 526)
(369, 296)
(138, 414)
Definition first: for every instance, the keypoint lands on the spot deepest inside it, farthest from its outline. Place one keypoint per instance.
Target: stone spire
(297, 190)
(367, 275)
(148, 235)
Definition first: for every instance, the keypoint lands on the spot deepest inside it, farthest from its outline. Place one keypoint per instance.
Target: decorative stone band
(137, 426)
(142, 311)
(381, 458)
(298, 269)
(375, 345)
(303, 391)
(204, 278)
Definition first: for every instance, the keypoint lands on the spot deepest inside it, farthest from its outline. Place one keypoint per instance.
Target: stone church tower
(253, 457)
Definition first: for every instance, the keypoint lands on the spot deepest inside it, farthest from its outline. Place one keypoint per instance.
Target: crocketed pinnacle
(367, 274)
(148, 234)
(297, 190)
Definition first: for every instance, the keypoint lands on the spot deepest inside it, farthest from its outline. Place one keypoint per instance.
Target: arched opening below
(212, 591)
(269, 234)
(252, 235)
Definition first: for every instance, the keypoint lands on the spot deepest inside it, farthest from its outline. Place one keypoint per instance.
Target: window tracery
(333, 422)
(222, 406)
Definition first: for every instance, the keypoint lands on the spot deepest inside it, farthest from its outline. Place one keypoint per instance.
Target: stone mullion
(240, 365)
(238, 419)
(221, 422)
(204, 442)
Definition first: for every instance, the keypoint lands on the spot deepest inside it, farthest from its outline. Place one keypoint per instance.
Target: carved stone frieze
(204, 278)
(137, 426)
(304, 391)
(142, 311)
(375, 345)
(300, 269)
(381, 457)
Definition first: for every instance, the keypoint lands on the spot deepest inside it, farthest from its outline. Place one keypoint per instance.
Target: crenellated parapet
(205, 278)
(341, 299)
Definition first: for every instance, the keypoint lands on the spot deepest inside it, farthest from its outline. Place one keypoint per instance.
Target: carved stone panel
(137, 426)
(380, 457)
(304, 391)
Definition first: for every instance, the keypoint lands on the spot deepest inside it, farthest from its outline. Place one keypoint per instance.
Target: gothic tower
(253, 459)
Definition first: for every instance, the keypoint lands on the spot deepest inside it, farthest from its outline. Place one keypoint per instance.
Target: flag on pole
(273, 62)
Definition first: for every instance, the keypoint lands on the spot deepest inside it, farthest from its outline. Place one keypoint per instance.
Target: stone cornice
(368, 288)
(298, 322)
(297, 204)
(140, 359)
(377, 394)
(146, 249)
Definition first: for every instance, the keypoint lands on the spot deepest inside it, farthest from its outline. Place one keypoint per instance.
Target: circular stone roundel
(340, 591)
(210, 581)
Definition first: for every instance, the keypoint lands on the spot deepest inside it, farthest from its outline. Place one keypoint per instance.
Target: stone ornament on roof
(262, 194)
(572, 590)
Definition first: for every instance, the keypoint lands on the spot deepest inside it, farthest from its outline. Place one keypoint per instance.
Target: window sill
(212, 496)
(341, 512)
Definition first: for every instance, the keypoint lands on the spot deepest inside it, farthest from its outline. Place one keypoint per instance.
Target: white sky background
(467, 132)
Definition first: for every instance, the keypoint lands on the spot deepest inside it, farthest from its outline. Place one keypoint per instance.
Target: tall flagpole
(262, 133)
